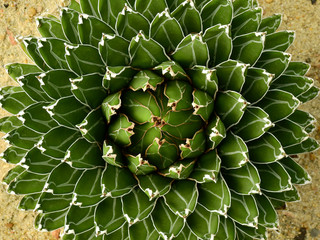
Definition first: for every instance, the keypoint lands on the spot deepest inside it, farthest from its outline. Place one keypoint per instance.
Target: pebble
(32, 12)
(314, 232)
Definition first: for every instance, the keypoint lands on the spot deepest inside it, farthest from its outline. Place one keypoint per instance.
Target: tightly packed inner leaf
(157, 119)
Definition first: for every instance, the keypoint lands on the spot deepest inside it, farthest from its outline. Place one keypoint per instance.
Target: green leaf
(117, 181)
(230, 106)
(83, 155)
(191, 51)
(244, 209)
(227, 229)
(179, 94)
(30, 46)
(144, 80)
(84, 59)
(91, 29)
(186, 234)
(297, 173)
(39, 163)
(219, 43)
(162, 153)
(289, 133)
(166, 30)
(243, 180)
(8, 124)
(56, 83)
(146, 53)
(143, 230)
(79, 219)
(109, 10)
(256, 84)
(215, 196)
(233, 152)
(110, 104)
(16, 70)
(21, 184)
(268, 217)
(274, 177)
(193, 147)
(117, 78)
(203, 223)
(114, 50)
(88, 90)
(121, 233)
(312, 93)
(139, 166)
(150, 8)
(89, 7)
(13, 173)
(52, 51)
(266, 149)
(307, 145)
(216, 12)
(278, 104)
(75, 5)
(204, 79)
(240, 6)
(171, 70)
(23, 137)
(108, 215)
(31, 84)
(130, 23)
(88, 189)
(270, 24)
(231, 75)
(274, 62)
(50, 27)
(13, 154)
(297, 68)
(280, 41)
(207, 168)
(295, 85)
(112, 154)
(154, 185)
(245, 232)
(254, 123)
(203, 104)
(93, 127)
(166, 222)
(188, 17)
(303, 119)
(63, 179)
(49, 202)
(69, 22)
(56, 142)
(136, 206)
(29, 202)
(286, 196)
(246, 22)
(37, 118)
(216, 132)
(67, 111)
(50, 221)
(179, 170)
(182, 197)
(14, 99)
(248, 48)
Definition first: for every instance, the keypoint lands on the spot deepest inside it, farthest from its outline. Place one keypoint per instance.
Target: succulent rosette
(155, 119)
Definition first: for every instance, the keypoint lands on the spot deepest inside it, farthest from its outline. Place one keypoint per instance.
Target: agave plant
(150, 119)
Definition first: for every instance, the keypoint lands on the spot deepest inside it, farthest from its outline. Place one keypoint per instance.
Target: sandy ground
(298, 222)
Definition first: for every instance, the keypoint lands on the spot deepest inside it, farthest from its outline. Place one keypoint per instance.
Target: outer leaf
(246, 22)
(248, 48)
(227, 229)
(146, 53)
(79, 219)
(203, 223)
(244, 180)
(13, 154)
(186, 234)
(16, 70)
(143, 230)
(280, 41)
(286, 196)
(117, 181)
(215, 12)
(215, 196)
(51, 221)
(244, 209)
(89, 7)
(166, 222)
(297, 173)
(29, 202)
(182, 197)
(136, 206)
(307, 145)
(23, 137)
(108, 215)
(8, 124)
(278, 104)
(268, 217)
(50, 27)
(150, 8)
(49, 202)
(297, 68)
(109, 10)
(270, 24)
(274, 177)
(69, 22)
